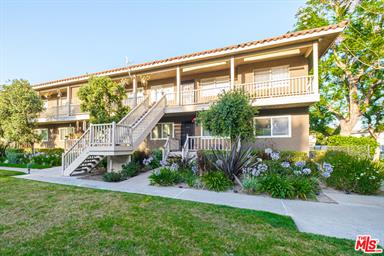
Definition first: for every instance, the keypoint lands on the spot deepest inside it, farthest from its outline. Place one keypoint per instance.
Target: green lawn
(44, 219)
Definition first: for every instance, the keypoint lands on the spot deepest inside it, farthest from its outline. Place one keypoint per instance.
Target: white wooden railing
(195, 143)
(268, 89)
(76, 150)
(279, 88)
(111, 134)
(135, 113)
(149, 120)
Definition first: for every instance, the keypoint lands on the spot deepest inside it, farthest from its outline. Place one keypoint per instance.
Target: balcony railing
(131, 101)
(296, 86)
(279, 88)
(61, 111)
(258, 90)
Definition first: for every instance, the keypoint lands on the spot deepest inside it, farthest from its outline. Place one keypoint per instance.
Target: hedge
(350, 141)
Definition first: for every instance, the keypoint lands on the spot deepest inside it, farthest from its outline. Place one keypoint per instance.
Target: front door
(187, 128)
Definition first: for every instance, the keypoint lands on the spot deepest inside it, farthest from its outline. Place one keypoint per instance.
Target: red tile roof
(217, 50)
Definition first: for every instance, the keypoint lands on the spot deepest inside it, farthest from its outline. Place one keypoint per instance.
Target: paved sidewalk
(350, 216)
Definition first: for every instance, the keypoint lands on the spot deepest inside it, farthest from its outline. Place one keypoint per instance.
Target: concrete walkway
(350, 216)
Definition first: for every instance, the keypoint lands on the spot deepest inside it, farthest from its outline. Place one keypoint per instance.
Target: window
(214, 86)
(162, 131)
(64, 132)
(43, 134)
(276, 77)
(275, 126)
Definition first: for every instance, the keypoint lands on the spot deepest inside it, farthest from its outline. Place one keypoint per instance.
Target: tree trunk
(349, 122)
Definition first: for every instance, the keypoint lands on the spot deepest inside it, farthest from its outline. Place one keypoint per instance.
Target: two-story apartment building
(279, 73)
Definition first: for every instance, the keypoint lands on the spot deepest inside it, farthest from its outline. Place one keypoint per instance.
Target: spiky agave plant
(232, 162)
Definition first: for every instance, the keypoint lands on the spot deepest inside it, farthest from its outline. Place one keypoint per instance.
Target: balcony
(62, 113)
(295, 90)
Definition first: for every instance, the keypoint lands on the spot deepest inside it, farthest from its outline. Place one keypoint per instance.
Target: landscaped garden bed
(140, 162)
(40, 159)
(290, 175)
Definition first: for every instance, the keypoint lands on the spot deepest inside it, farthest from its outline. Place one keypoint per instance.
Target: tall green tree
(103, 99)
(230, 116)
(19, 108)
(352, 71)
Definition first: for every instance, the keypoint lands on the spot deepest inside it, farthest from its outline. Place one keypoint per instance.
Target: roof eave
(280, 42)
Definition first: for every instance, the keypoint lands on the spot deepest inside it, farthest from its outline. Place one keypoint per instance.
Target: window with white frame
(64, 132)
(275, 77)
(273, 126)
(162, 131)
(43, 133)
(214, 86)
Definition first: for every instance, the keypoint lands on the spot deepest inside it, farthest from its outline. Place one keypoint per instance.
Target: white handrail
(195, 143)
(105, 135)
(135, 113)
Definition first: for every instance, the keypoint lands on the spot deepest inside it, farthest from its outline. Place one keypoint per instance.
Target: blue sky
(48, 40)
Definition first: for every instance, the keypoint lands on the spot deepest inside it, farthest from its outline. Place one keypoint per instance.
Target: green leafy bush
(251, 185)
(112, 177)
(138, 156)
(50, 151)
(187, 176)
(131, 169)
(165, 177)
(358, 144)
(277, 186)
(217, 181)
(13, 157)
(232, 162)
(291, 156)
(304, 187)
(354, 174)
(203, 161)
(48, 160)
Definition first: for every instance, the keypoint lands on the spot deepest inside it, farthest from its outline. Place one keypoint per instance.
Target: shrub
(354, 174)
(131, 169)
(138, 157)
(293, 156)
(153, 161)
(165, 177)
(217, 181)
(14, 157)
(304, 187)
(251, 185)
(359, 143)
(204, 163)
(50, 151)
(112, 177)
(277, 186)
(47, 160)
(234, 161)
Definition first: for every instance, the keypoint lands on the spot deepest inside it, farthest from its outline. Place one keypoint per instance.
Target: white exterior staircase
(112, 139)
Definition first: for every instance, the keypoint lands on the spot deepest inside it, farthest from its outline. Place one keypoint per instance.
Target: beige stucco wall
(299, 140)
(53, 134)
